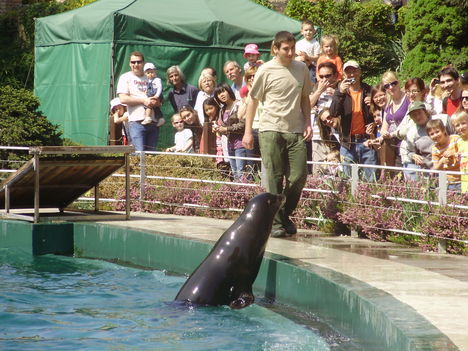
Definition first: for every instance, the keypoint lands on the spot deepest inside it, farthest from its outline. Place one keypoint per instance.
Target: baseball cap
(148, 66)
(251, 49)
(417, 105)
(116, 102)
(351, 63)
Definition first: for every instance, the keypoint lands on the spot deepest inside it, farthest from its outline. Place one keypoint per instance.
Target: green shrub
(435, 35)
(364, 30)
(17, 28)
(21, 124)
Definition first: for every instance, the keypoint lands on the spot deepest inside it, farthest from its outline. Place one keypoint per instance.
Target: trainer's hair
(282, 37)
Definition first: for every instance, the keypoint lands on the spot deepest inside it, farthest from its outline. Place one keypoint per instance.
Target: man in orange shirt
(351, 103)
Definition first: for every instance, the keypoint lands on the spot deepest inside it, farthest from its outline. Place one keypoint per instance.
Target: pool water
(64, 303)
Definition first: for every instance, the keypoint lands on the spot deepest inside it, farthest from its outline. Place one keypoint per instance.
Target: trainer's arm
(248, 140)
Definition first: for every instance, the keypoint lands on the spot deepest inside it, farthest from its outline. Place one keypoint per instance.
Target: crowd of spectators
(405, 124)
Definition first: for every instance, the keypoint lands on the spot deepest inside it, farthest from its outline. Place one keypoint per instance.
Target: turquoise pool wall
(352, 306)
(38, 239)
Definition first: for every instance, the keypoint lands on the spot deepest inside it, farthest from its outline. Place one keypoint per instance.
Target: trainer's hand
(307, 133)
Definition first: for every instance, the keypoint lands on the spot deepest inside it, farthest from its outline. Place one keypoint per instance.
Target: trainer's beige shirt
(280, 89)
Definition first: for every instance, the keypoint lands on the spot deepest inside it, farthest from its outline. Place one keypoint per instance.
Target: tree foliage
(364, 29)
(435, 35)
(17, 39)
(22, 124)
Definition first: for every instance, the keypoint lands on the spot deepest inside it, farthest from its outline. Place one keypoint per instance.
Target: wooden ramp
(55, 182)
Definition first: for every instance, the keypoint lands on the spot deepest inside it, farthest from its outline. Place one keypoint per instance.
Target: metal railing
(440, 178)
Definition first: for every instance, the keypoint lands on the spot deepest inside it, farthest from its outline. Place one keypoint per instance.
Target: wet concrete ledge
(407, 305)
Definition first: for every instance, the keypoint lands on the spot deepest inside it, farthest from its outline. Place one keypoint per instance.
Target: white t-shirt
(134, 86)
(201, 97)
(181, 138)
(311, 48)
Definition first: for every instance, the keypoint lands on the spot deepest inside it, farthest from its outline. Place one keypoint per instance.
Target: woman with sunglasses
(395, 111)
(464, 100)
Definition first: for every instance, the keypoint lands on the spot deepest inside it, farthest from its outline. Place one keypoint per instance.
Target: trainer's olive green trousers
(284, 157)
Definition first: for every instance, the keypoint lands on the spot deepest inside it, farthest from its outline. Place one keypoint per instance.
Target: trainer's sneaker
(146, 121)
(278, 233)
(290, 227)
(161, 122)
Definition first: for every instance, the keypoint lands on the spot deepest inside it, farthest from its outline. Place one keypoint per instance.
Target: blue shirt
(187, 95)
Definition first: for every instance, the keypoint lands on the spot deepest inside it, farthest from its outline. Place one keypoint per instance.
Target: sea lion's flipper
(244, 300)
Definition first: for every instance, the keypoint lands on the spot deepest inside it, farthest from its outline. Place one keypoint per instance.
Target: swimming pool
(57, 302)
(369, 317)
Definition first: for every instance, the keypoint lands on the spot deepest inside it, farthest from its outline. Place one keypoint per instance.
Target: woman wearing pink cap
(252, 55)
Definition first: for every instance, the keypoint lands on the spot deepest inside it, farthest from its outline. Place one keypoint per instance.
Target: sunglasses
(390, 85)
(135, 62)
(464, 98)
(325, 76)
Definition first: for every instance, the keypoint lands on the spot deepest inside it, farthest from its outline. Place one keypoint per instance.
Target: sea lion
(226, 275)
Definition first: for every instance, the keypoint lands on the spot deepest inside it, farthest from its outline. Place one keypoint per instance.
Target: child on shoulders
(308, 49)
(329, 53)
(154, 90)
(183, 138)
(252, 55)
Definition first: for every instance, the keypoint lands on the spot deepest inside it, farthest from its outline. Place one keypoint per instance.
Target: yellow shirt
(462, 147)
(454, 163)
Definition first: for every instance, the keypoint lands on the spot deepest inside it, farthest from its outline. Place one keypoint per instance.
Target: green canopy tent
(81, 53)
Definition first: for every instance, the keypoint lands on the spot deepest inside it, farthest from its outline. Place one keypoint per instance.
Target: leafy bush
(265, 3)
(364, 29)
(435, 35)
(17, 39)
(21, 124)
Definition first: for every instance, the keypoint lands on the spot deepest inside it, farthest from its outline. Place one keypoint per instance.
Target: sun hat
(417, 105)
(116, 102)
(351, 63)
(251, 49)
(148, 66)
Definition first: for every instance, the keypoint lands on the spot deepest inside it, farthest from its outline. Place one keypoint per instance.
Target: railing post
(7, 199)
(442, 188)
(142, 175)
(127, 186)
(354, 178)
(36, 188)
(263, 175)
(96, 198)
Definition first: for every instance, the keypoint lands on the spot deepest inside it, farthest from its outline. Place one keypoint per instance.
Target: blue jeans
(358, 153)
(238, 166)
(144, 137)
